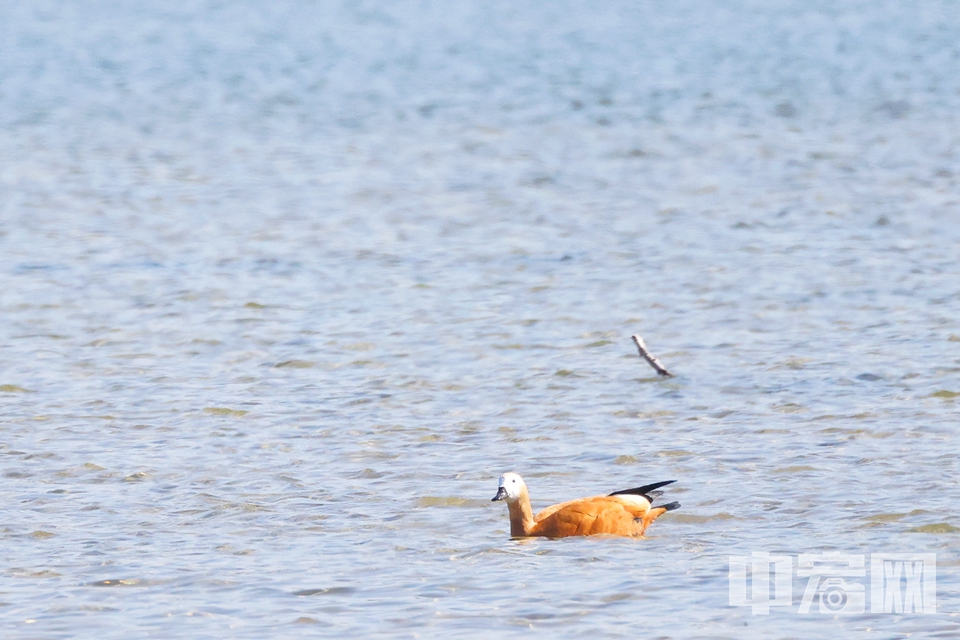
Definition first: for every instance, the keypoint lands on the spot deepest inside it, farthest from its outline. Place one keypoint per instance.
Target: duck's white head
(511, 486)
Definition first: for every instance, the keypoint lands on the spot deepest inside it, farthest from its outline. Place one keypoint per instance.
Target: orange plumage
(622, 513)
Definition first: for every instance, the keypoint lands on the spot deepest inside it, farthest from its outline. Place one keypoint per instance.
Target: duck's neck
(521, 516)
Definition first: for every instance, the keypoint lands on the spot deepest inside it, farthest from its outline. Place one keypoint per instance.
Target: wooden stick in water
(646, 355)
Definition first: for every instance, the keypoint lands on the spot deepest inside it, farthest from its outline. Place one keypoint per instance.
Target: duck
(622, 513)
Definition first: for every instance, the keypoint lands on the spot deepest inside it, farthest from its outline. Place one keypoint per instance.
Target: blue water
(287, 286)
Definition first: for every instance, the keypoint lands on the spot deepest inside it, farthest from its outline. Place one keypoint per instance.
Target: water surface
(287, 286)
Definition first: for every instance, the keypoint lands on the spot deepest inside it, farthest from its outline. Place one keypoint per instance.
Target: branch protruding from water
(646, 355)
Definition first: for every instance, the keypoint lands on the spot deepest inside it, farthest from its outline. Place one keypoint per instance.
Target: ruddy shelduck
(622, 513)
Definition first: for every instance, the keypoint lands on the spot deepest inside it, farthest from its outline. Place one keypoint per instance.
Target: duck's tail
(656, 512)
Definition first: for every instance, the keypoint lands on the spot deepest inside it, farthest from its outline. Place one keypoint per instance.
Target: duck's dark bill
(501, 494)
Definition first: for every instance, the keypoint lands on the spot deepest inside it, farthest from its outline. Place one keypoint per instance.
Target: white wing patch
(633, 499)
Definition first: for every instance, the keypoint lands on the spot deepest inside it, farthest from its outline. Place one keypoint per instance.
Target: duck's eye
(514, 481)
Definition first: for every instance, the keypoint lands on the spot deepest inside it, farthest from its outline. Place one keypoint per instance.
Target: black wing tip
(644, 489)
